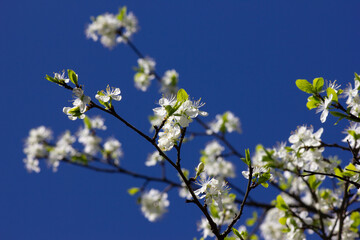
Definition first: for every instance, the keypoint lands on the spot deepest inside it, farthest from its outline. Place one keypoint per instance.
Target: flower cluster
(144, 73)
(176, 113)
(106, 97)
(215, 164)
(154, 204)
(212, 189)
(169, 82)
(79, 105)
(112, 29)
(226, 122)
(63, 149)
(36, 147)
(153, 159)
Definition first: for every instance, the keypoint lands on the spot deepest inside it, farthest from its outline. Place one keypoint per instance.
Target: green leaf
(214, 211)
(182, 96)
(51, 79)
(122, 13)
(282, 220)
(280, 203)
(80, 159)
(357, 77)
(304, 86)
(355, 216)
(133, 191)
(236, 232)
(251, 221)
(338, 173)
(73, 77)
(247, 159)
(350, 170)
(318, 84)
(265, 185)
(313, 182)
(338, 114)
(87, 122)
(312, 102)
(333, 93)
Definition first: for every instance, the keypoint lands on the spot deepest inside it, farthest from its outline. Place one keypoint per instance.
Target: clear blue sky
(242, 56)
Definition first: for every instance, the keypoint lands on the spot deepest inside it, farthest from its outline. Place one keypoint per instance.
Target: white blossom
(31, 164)
(227, 122)
(90, 141)
(170, 134)
(36, 147)
(112, 29)
(270, 228)
(154, 204)
(110, 94)
(112, 150)
(205, 227)
(79, 103)
(212, 189)
(323, 107)
(145, 73)
(97, 122)
(61, 77)
(169, 82)
(62, 149)
(353, 132)
(153, 159)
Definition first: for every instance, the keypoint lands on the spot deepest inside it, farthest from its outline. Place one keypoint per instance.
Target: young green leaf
(182, 95)
(331, 91)
(312, 102)
(357, 77)
(304, 86)
(87, 122)
(318, 84)
(133, 191)
(236, 232)
(122, 13)
(51, 79)
(280, 203)
(73, 77)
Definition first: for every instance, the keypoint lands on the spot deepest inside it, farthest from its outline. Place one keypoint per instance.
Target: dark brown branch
(357, 185)
(248, 189)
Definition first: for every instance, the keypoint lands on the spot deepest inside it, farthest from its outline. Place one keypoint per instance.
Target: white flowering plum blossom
(31, 164)
(112, 150)
(323, 107)
(215, 164)
(36, 147)
(205, 227)
(176, 112)
(79, 103)
(212, 189)
(153, 159)
(112, 29)
(169, 82)
(90, 141)
(61, 77)
(63, 149)
(110, 94)
(169, 136)
(97, 122)
(353, 135)
(144, 73)
(226, 122)
(154, 204)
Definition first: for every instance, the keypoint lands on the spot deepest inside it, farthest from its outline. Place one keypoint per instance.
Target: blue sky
(242, 56)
